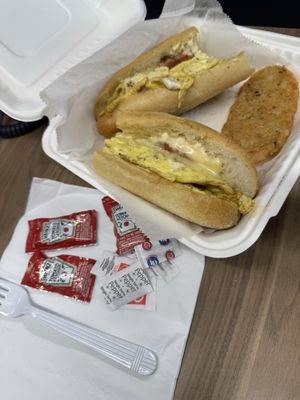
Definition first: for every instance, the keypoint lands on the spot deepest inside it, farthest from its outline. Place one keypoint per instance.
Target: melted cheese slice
(181, 162)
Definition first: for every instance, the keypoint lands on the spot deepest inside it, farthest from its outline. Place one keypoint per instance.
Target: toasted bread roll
(180, 199)
(261, 118)
(182, 166)
(174, 76)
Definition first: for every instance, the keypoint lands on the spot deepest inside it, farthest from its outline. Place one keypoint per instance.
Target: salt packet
(158, 258)
(124, 286)
(145, 302)
(110, 263)
(67, 275)
(77, 229)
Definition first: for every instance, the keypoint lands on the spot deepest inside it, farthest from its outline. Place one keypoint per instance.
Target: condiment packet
(167, 270)
(125, 286)
(157, 257)
(150, 254)
(78, 229)
(109, 263)
(64, 274)
(145, 302)
(128, 235)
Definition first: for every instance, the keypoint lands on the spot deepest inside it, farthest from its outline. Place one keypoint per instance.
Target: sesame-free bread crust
(180, 199)
(238, 170)
(184, 200)
(207, 84)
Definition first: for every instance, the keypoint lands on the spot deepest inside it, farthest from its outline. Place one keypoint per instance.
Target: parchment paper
(73, 95)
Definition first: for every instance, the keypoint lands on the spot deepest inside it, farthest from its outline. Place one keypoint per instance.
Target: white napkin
(37, 363)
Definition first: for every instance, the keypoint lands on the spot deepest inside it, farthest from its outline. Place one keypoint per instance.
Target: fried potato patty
(261, 118)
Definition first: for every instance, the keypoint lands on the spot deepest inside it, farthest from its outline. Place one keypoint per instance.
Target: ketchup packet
(128, 235)
(78, 229)
(64, 274)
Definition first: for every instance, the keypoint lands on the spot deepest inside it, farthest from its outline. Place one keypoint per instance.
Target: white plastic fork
(15, 302)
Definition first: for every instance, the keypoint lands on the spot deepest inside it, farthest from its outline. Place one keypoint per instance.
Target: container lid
(40, 40)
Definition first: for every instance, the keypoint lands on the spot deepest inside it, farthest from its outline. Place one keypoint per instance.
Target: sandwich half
(173, 77)
(181, 166)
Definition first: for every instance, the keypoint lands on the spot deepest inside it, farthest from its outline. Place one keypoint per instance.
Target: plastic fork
(15, 302)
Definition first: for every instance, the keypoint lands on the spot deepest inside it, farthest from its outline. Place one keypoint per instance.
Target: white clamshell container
(41, 40)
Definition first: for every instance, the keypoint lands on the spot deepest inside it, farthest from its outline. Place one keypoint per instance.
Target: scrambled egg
(184, 74)
(179, 78)
(185, 163)
(244, 203)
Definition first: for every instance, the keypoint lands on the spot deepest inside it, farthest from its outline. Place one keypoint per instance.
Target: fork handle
(133, 357)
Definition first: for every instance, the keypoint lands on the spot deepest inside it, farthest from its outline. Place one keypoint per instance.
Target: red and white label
(128, 235)
(77, 229)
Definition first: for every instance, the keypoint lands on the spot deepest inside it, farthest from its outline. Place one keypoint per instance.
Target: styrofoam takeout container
(72, 31)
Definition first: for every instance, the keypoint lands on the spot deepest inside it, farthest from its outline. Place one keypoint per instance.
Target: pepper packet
(124, 286)
(110, 263)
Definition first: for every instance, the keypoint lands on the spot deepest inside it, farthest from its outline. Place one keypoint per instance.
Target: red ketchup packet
(64, 274)
(128, 235)
(77, 229)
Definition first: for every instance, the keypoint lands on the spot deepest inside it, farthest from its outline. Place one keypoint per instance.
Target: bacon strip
(170, 149)
(171, 61)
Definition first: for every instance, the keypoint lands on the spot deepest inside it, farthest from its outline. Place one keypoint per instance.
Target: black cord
(154, 8)
(19, 128)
